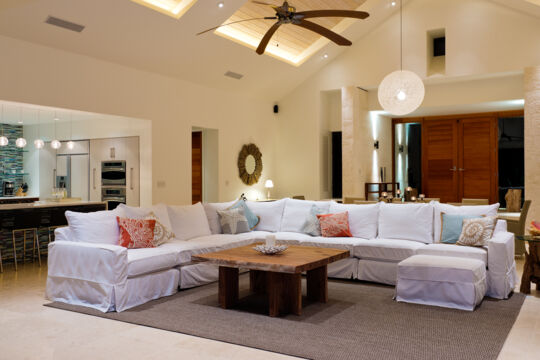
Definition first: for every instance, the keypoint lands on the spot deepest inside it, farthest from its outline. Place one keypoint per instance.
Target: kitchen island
(45, 216)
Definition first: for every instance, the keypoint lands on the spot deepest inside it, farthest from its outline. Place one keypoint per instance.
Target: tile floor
(29, 330)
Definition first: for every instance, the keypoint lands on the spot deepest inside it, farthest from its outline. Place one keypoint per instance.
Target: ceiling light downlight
(401, 92)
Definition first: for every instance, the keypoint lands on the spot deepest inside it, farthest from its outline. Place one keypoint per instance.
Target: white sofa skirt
(383, 272)
(105, 297)
(141, 289)
(343, 269)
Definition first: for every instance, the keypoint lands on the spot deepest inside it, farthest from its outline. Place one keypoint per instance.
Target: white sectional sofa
(112, 278)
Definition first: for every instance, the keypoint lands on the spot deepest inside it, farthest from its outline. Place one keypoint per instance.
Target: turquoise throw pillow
(451, 227)
(252, 219)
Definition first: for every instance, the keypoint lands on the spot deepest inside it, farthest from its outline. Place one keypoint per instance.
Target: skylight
(174, 8)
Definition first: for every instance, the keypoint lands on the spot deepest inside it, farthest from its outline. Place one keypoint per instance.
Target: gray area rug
(360, 321)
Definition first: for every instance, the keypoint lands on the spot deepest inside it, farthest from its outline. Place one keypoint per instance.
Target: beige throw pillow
(162, 234)
(477, 232)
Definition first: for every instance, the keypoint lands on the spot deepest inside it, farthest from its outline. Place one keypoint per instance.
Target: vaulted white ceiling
(124, 32)
(127, 33)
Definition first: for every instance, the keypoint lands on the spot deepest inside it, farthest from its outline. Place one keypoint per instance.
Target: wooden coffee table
(279, 276)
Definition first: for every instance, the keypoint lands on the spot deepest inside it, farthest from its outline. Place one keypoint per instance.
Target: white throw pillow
(211, 210)
(189, 221)
(296, 212)
(100, 227)
(270, 213)
(363, 219)
(159, 210)
(406, 222)
(475, 210)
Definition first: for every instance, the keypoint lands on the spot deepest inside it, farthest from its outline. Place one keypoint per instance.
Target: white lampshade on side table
(269, 184)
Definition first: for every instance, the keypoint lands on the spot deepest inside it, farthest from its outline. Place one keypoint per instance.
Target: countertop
(16, 197)
(48, 204)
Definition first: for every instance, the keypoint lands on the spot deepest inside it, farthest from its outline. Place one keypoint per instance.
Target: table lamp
(268, 184)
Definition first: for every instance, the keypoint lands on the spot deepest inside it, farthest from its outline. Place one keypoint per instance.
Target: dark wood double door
(460, 158)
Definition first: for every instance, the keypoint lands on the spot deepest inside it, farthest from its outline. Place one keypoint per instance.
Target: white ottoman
(446, 281)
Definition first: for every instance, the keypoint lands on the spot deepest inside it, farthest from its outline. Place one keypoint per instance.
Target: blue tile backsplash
(11, 157)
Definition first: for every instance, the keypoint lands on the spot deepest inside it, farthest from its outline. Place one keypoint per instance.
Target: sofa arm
(62, 234)
(100, 263)
(501, 265)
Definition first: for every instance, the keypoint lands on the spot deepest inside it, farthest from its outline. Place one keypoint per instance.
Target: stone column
(531, 82)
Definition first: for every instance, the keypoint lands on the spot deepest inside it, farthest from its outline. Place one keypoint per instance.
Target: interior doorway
(204, 165)
(196, 167)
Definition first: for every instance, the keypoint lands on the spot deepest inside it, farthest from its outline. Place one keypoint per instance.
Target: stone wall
(532, 140)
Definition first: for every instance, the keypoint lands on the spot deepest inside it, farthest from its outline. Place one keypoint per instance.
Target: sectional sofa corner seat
(113, 278)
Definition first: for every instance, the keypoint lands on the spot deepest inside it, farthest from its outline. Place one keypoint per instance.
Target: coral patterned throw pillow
(136, 233)
(335, 225)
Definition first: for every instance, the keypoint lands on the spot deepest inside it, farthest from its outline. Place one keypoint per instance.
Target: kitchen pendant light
(20, 142)
(39, 143)
(70, 144)
(3, 140)
(402, 91)
(55, 144)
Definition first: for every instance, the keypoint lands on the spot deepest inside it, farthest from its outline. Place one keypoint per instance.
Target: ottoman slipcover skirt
(452, 282)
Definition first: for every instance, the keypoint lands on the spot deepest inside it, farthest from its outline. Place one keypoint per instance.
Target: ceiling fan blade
(266, 38)
(338, 39)
(262, 3)
(234, 22)
(333, 13)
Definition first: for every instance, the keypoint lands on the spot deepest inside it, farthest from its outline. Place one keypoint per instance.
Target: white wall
(35, 74)
(488, 45)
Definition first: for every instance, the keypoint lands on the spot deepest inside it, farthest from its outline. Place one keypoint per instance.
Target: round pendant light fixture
(39, 143)
(3, 140)
(20, 142)
(55, 144)
(70, 144)
(401, 92)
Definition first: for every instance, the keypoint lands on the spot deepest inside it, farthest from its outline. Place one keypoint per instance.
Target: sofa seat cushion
(469, 252)
(345, 243)
(291, 238)
(211, 243)
(296, 213)
(149, 260)
(394, 250)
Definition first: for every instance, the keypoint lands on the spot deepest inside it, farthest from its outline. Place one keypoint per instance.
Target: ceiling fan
(286, 14)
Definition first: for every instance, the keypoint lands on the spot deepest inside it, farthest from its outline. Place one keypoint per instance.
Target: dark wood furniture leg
(257, 281)
(284, 293)
(228, 287)
(530, 273)
(317, 284)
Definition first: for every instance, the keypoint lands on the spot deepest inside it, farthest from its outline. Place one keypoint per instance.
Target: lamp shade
(401, 92)
(269, 184)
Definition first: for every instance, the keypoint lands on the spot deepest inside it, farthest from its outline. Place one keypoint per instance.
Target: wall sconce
(401, 148)
(376, 144)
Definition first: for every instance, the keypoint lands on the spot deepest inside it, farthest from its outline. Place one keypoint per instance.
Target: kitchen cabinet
(121, 149)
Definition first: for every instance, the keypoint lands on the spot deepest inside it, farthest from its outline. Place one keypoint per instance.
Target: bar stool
(26, 223)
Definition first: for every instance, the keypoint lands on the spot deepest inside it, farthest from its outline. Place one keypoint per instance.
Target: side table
(531, 269)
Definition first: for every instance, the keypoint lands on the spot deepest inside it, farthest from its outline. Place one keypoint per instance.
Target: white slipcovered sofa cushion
(189, 221)
(476, 210)
(147, 260)
(291, 238)
(478, 253)
(100, 227)
(270, 213)
(159, 210)
(386, 249)
(406, 222)
(213, 218)
(296, 212)
(363, 219)
(345, 243)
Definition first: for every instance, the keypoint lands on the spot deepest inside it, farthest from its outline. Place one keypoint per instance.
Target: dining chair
(299, 197)
(518, 227)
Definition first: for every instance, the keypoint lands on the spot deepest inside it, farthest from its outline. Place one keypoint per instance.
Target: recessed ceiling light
(325, 56)
(220, 4)
(393, 3)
